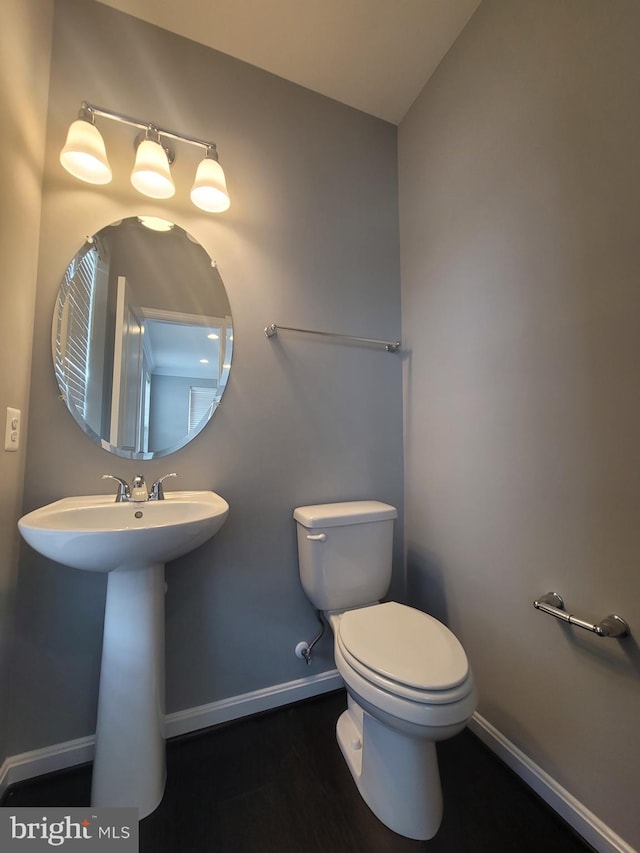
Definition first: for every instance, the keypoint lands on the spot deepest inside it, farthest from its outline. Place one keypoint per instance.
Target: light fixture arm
(94, 110)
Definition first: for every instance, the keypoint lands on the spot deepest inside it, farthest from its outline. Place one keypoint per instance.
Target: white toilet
(407, 677)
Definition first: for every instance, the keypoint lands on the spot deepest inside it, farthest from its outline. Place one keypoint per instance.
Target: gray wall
(311, 239)
(25, 49)
(519, 212)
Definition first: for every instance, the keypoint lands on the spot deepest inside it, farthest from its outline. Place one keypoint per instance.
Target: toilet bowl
(409, 685)
(406, 664)
(407, 677)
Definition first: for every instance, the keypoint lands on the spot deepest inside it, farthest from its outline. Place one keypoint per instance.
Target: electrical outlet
(12, 429)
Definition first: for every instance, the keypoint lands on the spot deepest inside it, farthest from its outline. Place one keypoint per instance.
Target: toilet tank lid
(345, 512)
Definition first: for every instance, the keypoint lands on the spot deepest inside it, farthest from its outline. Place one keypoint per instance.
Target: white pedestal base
(397, 775)
(129, 767)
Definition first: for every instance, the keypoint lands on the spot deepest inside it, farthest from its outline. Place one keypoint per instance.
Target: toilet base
(396, 775)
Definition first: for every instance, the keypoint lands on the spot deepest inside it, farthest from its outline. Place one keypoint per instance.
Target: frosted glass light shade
(209, 191)
(151, 175)
(84, 155)
(156, 223)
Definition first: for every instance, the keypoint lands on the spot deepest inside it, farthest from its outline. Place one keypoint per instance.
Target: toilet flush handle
(317, 537)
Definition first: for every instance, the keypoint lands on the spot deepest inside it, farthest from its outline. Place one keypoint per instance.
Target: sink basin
(130, 541)
(95, 533)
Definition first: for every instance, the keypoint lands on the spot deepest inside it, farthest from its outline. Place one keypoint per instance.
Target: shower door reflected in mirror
(142, 339)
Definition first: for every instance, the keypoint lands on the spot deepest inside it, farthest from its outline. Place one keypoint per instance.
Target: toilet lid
(405, 645)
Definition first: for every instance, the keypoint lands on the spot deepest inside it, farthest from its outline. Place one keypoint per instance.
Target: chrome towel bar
(612, 626)
(272, 330)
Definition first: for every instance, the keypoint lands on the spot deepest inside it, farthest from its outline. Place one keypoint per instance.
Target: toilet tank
(345, 552)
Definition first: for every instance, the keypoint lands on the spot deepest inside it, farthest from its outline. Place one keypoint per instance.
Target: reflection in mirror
(142, 338)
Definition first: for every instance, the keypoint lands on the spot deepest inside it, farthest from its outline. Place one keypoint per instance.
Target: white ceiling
(375, 55)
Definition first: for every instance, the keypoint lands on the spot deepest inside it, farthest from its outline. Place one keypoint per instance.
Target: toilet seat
(405, 652)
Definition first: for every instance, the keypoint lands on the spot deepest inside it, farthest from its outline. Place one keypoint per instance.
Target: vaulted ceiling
(374, 55)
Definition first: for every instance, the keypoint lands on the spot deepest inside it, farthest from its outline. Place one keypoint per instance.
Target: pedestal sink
(131, 541)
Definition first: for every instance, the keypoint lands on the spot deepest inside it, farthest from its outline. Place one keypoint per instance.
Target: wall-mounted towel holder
(612, 626)
(272, 330)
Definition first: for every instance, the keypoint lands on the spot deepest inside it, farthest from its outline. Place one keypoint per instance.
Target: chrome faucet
(138, 489)
(157, 490)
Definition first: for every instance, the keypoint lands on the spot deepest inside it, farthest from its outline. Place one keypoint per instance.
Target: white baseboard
(60, 756)
(236, 707)
(17, 768)
(592, 829)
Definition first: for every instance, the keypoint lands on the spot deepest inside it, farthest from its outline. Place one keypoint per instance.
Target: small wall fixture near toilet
(408, 680)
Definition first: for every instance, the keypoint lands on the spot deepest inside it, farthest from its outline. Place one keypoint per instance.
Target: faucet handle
(124, 493)
(157, 491)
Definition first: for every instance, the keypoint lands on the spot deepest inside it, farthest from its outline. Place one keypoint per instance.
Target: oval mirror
(142, 338)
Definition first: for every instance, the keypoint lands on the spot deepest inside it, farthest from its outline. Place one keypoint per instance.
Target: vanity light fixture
(209, 191)
(151, 174)
(84, 156)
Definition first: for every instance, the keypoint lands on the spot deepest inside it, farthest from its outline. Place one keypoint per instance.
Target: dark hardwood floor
(277, 783)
